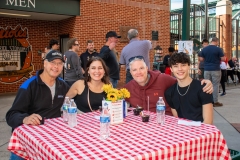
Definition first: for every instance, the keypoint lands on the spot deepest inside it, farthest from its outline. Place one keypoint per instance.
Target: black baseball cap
(112, 34)
(53, 54)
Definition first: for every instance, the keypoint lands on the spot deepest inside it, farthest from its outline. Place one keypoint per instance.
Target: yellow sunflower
(107, 88)
(112, 97)
(126, 93)
(120, 94)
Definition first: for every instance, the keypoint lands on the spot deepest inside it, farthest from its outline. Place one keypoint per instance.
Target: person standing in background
(86, 56)
(135, 48)
(223, 80)
(108, 54)
(212, 56)
(73, 69)
(205, 43)
(46, 50)
(171, 50)
(233, 63)
(54, 44)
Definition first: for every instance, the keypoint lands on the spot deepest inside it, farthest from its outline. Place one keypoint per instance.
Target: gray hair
(132, 33)
(137, 59)
(214, 39)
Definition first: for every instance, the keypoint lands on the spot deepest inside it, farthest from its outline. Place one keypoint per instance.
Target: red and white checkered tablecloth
(132, 139)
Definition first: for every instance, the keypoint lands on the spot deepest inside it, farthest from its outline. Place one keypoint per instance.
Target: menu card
(115, 110)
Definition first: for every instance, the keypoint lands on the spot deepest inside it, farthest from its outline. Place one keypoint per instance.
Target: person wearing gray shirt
(73, 69)
(136, 48)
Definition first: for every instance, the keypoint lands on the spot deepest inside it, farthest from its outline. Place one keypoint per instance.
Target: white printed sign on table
(117, 110)
(185, 47)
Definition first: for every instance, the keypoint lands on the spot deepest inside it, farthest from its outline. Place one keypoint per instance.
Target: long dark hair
(105, 78)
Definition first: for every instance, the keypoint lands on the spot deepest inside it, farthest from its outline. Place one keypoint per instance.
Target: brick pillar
(224, 13)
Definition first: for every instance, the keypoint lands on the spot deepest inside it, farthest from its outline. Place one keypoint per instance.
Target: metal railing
(197, 31)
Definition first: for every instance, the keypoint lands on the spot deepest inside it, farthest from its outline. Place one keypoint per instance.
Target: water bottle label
(72, 109)
(65, 107)
(104, 119)
(161, 108)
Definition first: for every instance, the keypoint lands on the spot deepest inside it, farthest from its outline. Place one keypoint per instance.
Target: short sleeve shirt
(136, 48)
(212, 58)
(190, 105)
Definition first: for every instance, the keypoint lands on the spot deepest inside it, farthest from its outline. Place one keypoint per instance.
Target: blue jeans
(214, 77)
(114, 82)
(128, 76)
(13, 156)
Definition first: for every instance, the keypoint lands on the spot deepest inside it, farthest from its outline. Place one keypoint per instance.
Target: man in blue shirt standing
(212, 57)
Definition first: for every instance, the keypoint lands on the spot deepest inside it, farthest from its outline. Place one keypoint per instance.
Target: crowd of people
(216, 67)
(42, 95)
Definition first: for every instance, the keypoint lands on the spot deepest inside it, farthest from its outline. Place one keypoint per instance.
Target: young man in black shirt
(86, 56)
(186, 98)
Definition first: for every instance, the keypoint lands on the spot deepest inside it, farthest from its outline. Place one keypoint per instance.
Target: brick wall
(39, 32)
(100, 16)
(226, 34)
(96, 19)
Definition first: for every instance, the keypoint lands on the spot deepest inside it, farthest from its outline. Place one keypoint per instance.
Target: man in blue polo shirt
(212, 57)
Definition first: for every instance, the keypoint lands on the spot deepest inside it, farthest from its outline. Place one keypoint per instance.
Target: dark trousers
(233, 72)
(223, 79)
(128, 76)
(230, 73)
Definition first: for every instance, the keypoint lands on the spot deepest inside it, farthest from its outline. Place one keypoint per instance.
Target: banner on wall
(15, 54)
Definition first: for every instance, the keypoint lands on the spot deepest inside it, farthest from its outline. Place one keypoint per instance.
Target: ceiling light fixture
(15, 14)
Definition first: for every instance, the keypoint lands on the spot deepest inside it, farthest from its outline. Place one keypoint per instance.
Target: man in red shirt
(151, 83)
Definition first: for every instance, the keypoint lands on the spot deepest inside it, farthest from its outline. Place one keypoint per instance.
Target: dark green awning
(61, 7)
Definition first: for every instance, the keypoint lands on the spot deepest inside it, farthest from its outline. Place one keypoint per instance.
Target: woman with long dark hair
(88, 93)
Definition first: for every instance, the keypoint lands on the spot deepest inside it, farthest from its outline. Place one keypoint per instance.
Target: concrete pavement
(228, 114)
(223, 116)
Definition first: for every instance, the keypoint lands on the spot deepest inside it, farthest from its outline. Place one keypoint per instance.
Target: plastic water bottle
(65, 106)
(104, 123)
(160, 111)
(72, 114)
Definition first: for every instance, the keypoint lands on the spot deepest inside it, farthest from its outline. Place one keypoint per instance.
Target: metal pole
(179, 27)
(206, 19)
(237, 33)
(186, 20)
(194, 30)
(193, 19)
